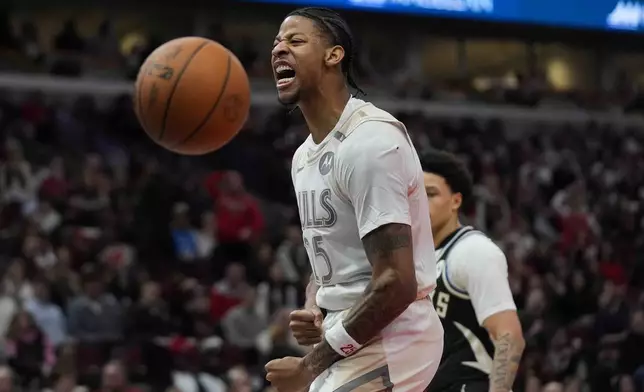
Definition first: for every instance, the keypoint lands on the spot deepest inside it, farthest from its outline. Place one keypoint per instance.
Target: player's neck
(322, 112)
(445, 231)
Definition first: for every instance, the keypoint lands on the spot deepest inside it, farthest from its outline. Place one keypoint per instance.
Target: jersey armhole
(459, 291)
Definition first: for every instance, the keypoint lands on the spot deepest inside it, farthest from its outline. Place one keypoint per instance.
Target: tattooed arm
(392, 289)
(480, 268)
(505, 331)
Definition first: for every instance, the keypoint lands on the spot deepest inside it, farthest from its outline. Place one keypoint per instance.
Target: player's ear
(457, 201)
(334, 55)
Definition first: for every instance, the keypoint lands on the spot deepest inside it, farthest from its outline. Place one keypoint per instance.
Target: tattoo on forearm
(507, 356)
(382, 300)
(321, 358)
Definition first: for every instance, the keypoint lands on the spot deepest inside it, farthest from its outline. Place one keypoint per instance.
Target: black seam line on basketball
(212, 109)
(174, 88)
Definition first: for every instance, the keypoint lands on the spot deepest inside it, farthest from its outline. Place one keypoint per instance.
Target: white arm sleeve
(371, 170)
(478, 266)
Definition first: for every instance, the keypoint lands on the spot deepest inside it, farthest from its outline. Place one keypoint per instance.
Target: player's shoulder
(371, 137)
(479, 244)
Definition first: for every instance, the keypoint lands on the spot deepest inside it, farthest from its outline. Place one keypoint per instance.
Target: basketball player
(363, 211)
(483, 337)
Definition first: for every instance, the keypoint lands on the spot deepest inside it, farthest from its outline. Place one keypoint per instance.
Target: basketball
(192, 95)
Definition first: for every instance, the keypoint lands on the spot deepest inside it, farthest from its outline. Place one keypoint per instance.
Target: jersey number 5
(441, 303)
(318, 252)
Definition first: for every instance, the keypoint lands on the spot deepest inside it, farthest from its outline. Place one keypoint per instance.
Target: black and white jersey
(472, 285)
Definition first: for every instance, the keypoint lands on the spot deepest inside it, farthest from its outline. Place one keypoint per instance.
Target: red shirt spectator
(238, 216)
(54, 185)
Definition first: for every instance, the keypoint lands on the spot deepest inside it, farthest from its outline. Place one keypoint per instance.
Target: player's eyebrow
(288, 36)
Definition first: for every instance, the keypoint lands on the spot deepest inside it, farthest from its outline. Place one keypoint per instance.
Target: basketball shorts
(404, 358)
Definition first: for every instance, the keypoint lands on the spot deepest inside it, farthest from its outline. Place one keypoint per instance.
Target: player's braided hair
(339, 33)
(452, 169)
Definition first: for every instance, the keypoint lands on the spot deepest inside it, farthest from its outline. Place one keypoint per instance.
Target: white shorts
(404, 358)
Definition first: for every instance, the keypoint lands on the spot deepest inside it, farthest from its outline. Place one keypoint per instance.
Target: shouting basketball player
(483, 338)
(363, 211)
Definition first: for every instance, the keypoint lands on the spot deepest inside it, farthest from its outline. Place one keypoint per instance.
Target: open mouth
(285, 75)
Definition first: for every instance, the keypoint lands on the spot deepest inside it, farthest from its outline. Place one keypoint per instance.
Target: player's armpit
(393, 287)
(506, 334)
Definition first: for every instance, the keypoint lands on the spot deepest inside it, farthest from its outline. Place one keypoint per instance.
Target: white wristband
(340, 340)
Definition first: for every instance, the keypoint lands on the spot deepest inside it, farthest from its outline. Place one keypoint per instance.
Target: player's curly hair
(338, 33)
(452, 169)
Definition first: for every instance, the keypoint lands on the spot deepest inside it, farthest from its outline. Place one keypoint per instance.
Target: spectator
(16, 179)
(29, 351)
(39, 252)
(88, 201)
(553, 387)
(207, 235)
(291, 255)
(613, 315)
(66, 383)
(183, 234)
(114, 379)
(28, 41)
(69, 39)
(16, 283)
(95, 316)
(53, 182)
(8, 308)
(46, 217)
(276, 293)
(150, 317)
(64, 282)
(262, 262)
(48, 316)
(240, 380)
(150, 327)
(277, 341)
(243, 324)
(191, 376)
(239, 219)
(6, 379)
(229, 292)
(105, 45)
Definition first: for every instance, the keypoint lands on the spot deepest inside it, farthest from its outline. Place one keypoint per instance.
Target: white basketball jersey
(331, 229)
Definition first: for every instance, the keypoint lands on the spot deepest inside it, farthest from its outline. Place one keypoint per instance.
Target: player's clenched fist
(306, 325)
(289, 375)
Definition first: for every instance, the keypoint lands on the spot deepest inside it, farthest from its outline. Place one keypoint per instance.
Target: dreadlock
(338, 32)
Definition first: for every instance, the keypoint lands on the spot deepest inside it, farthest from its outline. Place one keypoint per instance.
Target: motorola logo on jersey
(326, 163)
(316, 210)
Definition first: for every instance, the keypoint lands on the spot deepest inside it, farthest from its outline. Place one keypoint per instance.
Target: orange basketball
(192, 95)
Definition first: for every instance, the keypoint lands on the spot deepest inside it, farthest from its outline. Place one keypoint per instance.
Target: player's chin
(289, 95)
